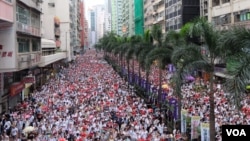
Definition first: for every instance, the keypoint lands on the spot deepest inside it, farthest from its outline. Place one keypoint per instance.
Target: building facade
(179, 12)
(92, 28)
(20, 49)
(226, 13)
(138, 17)
(86, 33)
(75, 26)
(108, 11)
(82, 25)
(154, 13)
(99, 24)
(128, 18)
(116, 16)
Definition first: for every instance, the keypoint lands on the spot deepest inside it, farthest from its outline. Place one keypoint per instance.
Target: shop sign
(16, 88)
(28, 79)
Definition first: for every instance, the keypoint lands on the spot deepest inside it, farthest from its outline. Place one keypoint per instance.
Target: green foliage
(157, 34)
(236, 45)
(185, 30)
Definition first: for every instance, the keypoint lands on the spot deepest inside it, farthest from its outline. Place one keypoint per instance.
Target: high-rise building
(179, 12)
(100, 17)
(128, 18)
(116, 16)
(154, 13)
(83, 34)
(75, 26)
(86, 32)
(138, 17)
(226, 13)
(66, 12)
(108, 11)
(92, 31)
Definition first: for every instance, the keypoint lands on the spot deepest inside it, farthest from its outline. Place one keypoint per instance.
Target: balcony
(159, 19)
(28, 29)
(48, 59)
(6, 12)
(245, 24)
(32, 4)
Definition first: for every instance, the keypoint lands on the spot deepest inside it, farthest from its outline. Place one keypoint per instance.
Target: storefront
(37, 77)
(16, 94)
(29, 82)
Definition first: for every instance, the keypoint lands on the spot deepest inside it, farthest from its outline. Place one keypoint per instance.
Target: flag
(205, 132)
(183, 121)
(195, 125)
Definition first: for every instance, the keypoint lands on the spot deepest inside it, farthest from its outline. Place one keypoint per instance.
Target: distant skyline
(89, 4)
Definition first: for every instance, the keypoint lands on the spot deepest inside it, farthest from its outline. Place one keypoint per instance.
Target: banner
(205, 132)
(195, 125)
(174, 103)
(184, 121)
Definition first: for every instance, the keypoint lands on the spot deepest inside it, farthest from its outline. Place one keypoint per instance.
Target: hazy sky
(90, 3)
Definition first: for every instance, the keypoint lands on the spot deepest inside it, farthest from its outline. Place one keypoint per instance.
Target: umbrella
(62, 139)
(27, 116)
(28, 130)
(165, 86)
(190, 78)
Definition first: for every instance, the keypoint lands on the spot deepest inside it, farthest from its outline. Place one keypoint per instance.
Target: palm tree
(236, 44)
(174, 41)
(181, 59)
(201, 28)
(161, 54)
(134, 41)
(142, 48)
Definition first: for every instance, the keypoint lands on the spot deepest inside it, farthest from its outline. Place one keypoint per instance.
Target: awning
(48, 43)
(223, 75)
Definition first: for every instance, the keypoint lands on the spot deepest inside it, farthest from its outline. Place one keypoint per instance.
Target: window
(179, 20)
(35, 21)
(10, 1)
(23, 15)
(23, 45)
(225, 1)
(36, 45)
(48, 51)
(244, 16)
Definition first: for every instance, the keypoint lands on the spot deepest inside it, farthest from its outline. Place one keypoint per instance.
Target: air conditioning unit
(20, 59)
(28, 58)
(32, 56)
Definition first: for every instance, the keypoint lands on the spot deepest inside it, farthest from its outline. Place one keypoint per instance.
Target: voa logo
(236, 132)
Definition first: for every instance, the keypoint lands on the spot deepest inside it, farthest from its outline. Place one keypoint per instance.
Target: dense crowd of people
(89, 101)
(86, 101)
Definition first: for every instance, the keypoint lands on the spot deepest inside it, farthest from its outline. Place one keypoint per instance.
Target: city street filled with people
(89, 101)
(86, 101)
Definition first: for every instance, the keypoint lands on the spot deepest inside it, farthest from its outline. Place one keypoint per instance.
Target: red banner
(16, 88)
(30, 79)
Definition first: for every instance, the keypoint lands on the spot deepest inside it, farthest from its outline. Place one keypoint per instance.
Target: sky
(90, 3)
